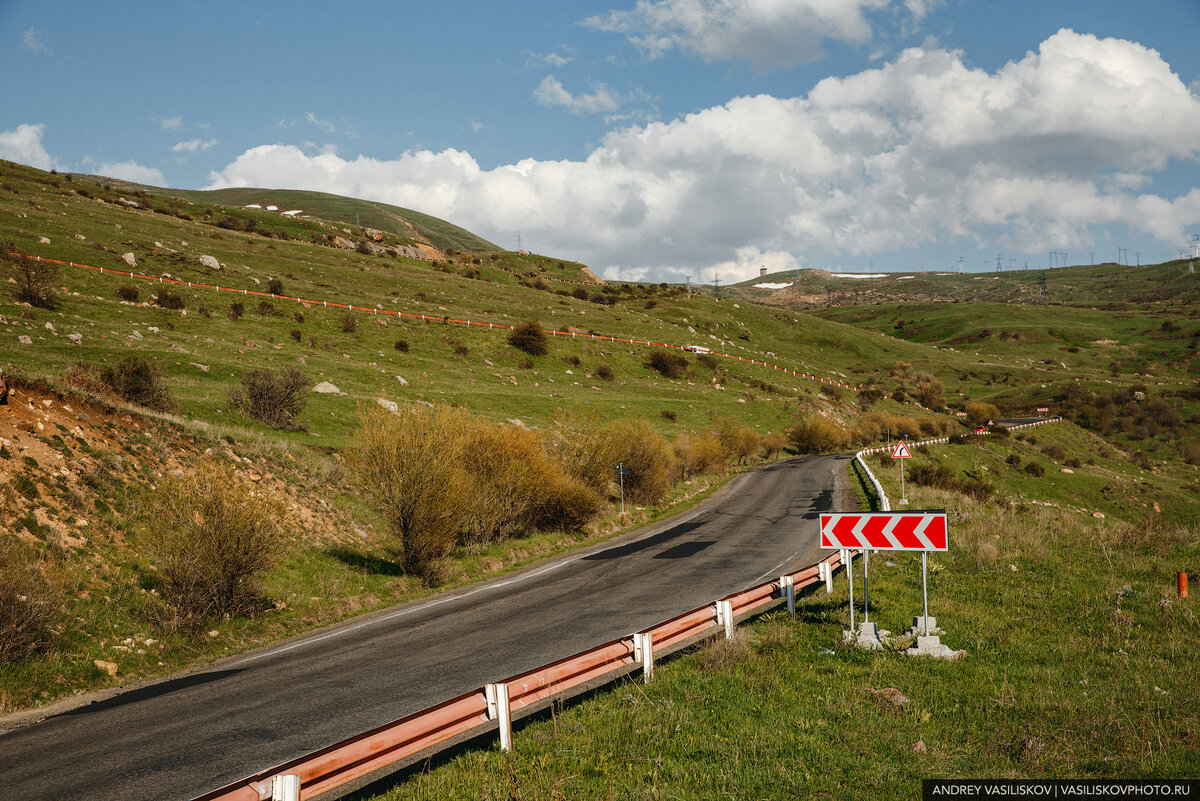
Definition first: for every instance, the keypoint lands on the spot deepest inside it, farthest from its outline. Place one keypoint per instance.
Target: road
(184, 736)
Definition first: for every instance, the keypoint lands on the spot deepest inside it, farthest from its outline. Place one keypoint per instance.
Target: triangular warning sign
(901, 452)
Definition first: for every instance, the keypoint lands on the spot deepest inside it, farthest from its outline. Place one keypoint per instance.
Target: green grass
(1079, 663)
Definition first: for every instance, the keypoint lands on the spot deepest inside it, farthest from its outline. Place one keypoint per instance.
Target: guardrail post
(498, 709)
(725, 617)
(828, 577)
(643, 651)
(285, 787)
(787, 588)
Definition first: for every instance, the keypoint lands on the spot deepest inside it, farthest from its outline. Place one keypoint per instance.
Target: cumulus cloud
(23, 144)
(766, 33)
(171, 123)
(132, 171)
(1043, 153)
(550, 92)
(193, 145)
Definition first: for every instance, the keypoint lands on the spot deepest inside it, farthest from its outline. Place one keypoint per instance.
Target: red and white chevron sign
(886, 531)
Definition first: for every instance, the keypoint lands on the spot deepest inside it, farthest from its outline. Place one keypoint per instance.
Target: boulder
(391, 406)
(108, 667)
(403, 383)
(50, 327)
(130, 259)
(24, 340)
(210, 262)
(44, 240)
(327, 388)
(76, 338)
(136, 335)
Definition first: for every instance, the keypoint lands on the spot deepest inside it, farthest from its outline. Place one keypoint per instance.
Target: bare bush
(273, 398)
(31, 603)
(508, 470)
(818, 434)
(568, 504)
(738, 440)
(697, 453)
(648, 457)
(979, 413)
(139, 381)
(166, 299)
(211, 537)
(581, 446)
(669, 365)
(529, 337)
(127, 293)
(349, 322)
(410, 467)
(34, 278)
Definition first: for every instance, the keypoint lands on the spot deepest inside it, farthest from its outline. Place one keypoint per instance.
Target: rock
(1067, 470)
(24, 340)
(136, 335)
(3, 320)
(403, 383)
(50, 327)
(158, 244)
(80, 237)
(153, 329)
(108, 667)
(1098, 515)
(389, 405)
(919, 747)
(76, 338)
(130, 259)
(517, 423)
(199, 366)
(210, 262)
(326, 388)
(214, 633)
(255, 280)
(44, 240)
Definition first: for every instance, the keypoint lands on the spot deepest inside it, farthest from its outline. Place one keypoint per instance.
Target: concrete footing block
(918, 626)
(932, 646)
(867, 636)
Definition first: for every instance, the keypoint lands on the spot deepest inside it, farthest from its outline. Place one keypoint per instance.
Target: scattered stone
(255, 280)
(158, 244)
(391, 406)
(80, 237)
(24, 340)
(199, 366)
(3, 320)
(44, 240)
(210, 262)
(1098, 515)
(403, 383)
(1067, 470)
(516, 423)
(327, 388)
(214, 633)
(130, 259)
(136, 335)
(108, 667)
(890, 695)
(50, 327)
(919, 747)
(153, 329)
(76, 338)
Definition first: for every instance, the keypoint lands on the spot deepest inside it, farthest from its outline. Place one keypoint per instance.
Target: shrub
(127, 293)
(697, 453)
(1055, 451)
(296, 334)
(604, 373)
(298, 317)
(273, 398)
(266, 308)
(568, 504)
(739, 441)
(669, 365)
(275, 286)
(236, 310)
(978, 413)
(211, 537)
(667, 414)
(648, 457)
(31, 602)
(772, 444)
(818, 434)
(349, 322)
(401, 345)
(410, 467)
(582, 448)
(461, 350)
(928, 391)
(138, 381)
(530, 338)
(1035, 469)
(708, 362)
(34, 279)
(167, 299)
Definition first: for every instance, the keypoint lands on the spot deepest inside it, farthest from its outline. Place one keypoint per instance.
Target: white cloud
(475, 126)
(551, 93)
(132, 171)
(551, 59)
(193, 145)
(171, 123)
(1043, 153)
(767, 33)
(312, 119)
(23, 144)
(31, 40)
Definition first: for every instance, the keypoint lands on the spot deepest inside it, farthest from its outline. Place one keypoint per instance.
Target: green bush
(34, 279)
(667, 364)
(166, 299)
(139, 381)
(1035, 469)
(127, 293)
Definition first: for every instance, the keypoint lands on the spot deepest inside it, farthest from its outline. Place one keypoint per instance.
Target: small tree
(211, 537)
(979, 413)
(928, 391)
(529, 337)
(139, 381)
(34, 278)
(818, 435)
(273, 398)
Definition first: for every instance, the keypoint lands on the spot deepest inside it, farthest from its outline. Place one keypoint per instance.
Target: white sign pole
(850, 573)
(925, 588)
(903, 497)
(867, 585)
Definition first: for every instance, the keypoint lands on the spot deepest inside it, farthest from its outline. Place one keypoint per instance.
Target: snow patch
(773, 286)
(860, 275)
(292, 213)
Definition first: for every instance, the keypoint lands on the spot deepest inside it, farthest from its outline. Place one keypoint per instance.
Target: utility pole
(998, 262)
(1053, 258)
(1138, 255)
(717, 284)
(1091, 257)
(519, 248)
(1122, 255)
(1042, 288)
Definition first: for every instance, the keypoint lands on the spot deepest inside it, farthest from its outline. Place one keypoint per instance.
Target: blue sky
(652, 139)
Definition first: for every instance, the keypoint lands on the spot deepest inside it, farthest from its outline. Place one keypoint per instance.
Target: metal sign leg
(925, 588)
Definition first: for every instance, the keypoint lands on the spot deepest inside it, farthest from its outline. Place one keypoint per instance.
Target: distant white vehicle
(697, 349)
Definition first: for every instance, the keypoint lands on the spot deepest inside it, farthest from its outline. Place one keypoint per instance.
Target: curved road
(179, 738)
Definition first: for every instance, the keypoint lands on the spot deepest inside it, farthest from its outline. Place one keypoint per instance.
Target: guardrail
(884, 504)
(375, 310)
(494, 705)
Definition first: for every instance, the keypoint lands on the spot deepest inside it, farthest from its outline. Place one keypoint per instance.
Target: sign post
(902, 453)
(923, 531)
(622, 471)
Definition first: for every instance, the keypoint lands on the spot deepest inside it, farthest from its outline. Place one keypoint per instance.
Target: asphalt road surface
(185, 736)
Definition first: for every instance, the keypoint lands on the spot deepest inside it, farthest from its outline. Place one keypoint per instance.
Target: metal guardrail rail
(477, 711)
